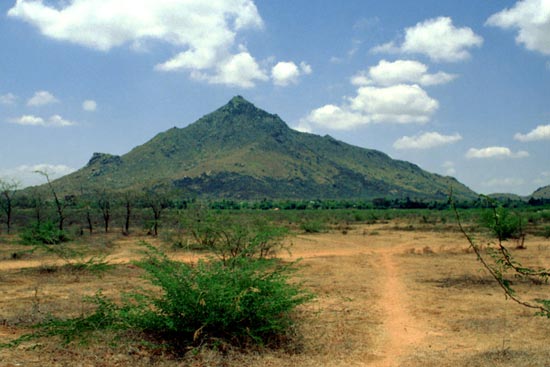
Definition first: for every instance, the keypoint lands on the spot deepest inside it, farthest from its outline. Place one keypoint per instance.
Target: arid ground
(386, 296)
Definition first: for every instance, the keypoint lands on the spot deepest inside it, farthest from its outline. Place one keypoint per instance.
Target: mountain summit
(240, 151)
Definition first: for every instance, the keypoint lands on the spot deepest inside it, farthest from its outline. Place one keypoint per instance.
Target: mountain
(542, 193)
(242, 152)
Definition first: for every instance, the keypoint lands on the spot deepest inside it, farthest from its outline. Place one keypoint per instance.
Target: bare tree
(59, 205)
(157, 202)
(104, 203)
(127, 202)
(7, 192)
(87, 207)
(38, 203)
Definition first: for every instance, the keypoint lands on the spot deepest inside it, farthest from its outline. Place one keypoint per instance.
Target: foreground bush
(249, 301)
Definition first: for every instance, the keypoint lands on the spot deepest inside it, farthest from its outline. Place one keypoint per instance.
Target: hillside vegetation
(242, 152)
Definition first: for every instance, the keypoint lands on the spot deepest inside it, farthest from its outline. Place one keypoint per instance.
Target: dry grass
(398, 298)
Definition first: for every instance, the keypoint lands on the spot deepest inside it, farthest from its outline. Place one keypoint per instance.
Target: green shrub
(45, 233)
(248, 301)
(313, 226)
(503, 223)
(229, 237)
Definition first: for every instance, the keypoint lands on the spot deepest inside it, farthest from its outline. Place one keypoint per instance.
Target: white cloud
(334, 117)
(402, 104)
(287, 72)
(42, 98)
(495, 152)
(240, 70)
(541, 132)
(532, 20)
(26, 174)
(89, 105)
(436, 38)
(58, 121)
(306, 68)
(31, 120)
(449, 167)
(401, 71)
(426, 141)
(8, 99)
(203, 32)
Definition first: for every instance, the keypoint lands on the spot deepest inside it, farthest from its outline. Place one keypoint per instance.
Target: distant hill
(542, 193)
(242, 152)
(504, 197)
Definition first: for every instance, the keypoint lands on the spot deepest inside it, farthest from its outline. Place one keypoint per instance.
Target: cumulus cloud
(287, 72)
(89, 105)
(402, 104)
(53, 121)
(42, 98)
(425, 141)
(401, 71)
(436, 38)
(203, 32)
(541, 132)
(531, 19)
(26, 174)
(240, 70)
(495, 152)
(8, 99)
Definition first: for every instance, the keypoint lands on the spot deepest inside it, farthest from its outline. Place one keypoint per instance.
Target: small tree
(104, 203)
(127, 203)
(38, 204)
(499, 261)
(7, 192)
(157, 201)
(59, 204)
(229, 239)
(86, 203)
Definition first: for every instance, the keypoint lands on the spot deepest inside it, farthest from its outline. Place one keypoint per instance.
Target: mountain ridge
(240, 151)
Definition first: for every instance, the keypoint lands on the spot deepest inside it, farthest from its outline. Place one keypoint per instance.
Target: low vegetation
(240, 295)
(499, 261)
(237, 292)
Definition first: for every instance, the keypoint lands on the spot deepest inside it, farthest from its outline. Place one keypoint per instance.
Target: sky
(460, 88)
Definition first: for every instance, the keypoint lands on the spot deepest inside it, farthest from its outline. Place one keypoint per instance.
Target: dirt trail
(402, 331)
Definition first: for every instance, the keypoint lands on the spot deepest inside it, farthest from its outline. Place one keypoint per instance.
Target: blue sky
(460, 88)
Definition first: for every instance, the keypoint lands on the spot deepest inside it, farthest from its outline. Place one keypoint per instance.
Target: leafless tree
(7, 192)
(104, 203)
(59, 205)
(157, 201)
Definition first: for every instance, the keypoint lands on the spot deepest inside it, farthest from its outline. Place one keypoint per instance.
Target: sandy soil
(385, 297)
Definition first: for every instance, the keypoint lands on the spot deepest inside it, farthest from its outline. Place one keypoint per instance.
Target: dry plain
(386, 296)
